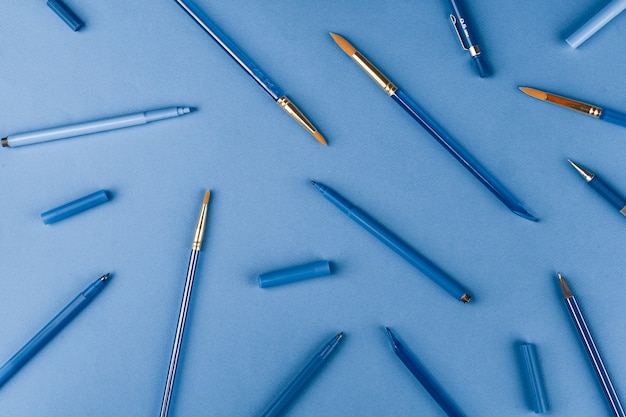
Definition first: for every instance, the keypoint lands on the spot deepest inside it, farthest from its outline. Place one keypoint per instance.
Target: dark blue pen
(602, 188)
(416, 259)
(422, 375)
(51, 329)
(461, 24)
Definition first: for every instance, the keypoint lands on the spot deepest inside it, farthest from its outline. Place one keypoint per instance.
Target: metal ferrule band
(199, 233)
(5, 142)
(296, 114)
(374, 73)
(623, 210)
(579, 106)
(474, 50)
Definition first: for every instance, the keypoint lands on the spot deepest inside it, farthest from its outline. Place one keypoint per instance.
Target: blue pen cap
(481, 66)
(533, 377)
(65, 14)
(294, 274)
(74, 207)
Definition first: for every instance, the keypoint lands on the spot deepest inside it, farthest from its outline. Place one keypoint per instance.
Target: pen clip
(458, 33)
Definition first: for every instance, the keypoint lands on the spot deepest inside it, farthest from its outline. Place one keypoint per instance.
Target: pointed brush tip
(207, 195)
(533, 92)
(343, 44)
(317, 135)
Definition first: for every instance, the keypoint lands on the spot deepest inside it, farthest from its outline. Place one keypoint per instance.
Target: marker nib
(523, 213)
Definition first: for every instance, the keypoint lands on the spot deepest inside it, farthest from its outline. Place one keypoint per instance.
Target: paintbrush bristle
(343, 44)
(207, 195)
(541, 95)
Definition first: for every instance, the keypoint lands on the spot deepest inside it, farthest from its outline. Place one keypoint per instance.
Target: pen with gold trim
(434, 129)
(578, 106)
(246, 63)
(196, 245)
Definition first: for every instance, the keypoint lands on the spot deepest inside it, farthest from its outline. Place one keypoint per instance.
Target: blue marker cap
(293, 274)
(533, 377)
(74, 207)
(65, 14)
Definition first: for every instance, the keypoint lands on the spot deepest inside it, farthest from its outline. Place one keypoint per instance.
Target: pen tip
(313, 182)
(343, 44)
(105, 277)
(340, 335)
(207, 195)
(533, 92)
(317, 135)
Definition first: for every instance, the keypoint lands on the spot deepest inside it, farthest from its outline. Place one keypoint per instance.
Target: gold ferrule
(296, 114)
(579, 106)
(374, 73)
(567, 293)
(199, 233)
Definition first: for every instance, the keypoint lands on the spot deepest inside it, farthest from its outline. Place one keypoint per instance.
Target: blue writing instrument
(601, 188)
(464, 30)
(51, 329)
(416, 259)
(63, 132)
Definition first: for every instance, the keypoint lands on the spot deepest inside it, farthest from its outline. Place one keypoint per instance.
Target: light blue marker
(63, 132)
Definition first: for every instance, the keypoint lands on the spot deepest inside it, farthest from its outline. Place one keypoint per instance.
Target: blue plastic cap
(533, 377)
(65, 14)
(74, 207)
(481, 66)
(293, 274)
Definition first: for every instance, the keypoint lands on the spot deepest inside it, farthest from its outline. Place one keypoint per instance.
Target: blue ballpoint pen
(277, 407)
(103, 125)
(592, 351)
(463, 29)
(578, 106)
(416, 259)
(422, 375)
(246, 63)
(602, 188)
(51, 329)
(434, 129)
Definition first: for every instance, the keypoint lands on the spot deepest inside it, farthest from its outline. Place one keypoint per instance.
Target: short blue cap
(74, 207)
(65, 14)
(533, 377)
(481, 66)
(293, 274)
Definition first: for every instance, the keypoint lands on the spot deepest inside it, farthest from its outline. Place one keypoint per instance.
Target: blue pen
(246, 63)
(277, 407)
(578, 106)
(429, 269)
(51, 329)
(422, 375)
(63, 132)
(602, 188)
(463, 29)
(434, 129)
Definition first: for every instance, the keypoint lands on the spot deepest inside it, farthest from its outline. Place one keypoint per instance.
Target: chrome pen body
(249, 66)
(434, 129)
(424, 378)
(592, 351)
(184, 307)
(295, 386)
(467, 38)
(601, 188)
(587, 109)
(409, 254)
(50, 330)
(103, 125)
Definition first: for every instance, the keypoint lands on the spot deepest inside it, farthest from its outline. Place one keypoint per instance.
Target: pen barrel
(294, 387)
(594, 356)
(607, 193)
(613, 117)
(596, 23)
(178, 337)
(229, 46)
(464, 27)
(409, 254)
(44, 335)
(428, 382)
(458, 152)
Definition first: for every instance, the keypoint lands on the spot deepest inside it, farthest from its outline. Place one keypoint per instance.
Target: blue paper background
(242, 343)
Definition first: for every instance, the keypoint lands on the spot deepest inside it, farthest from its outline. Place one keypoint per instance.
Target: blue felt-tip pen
(51, 329)
(601, 188)
(103, 125)
(416, 259)
(464, 30)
